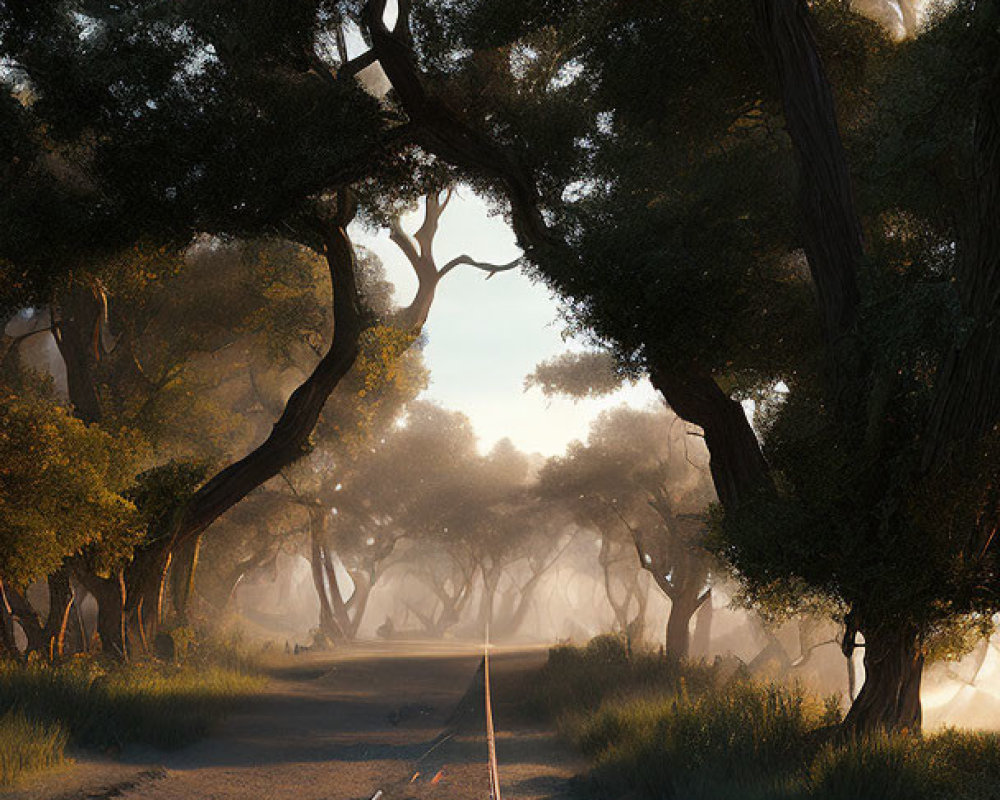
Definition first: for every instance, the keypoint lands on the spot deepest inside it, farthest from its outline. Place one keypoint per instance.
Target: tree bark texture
(737, 464)
(966, 405)
(109, 593)
(890, 697)
(831, 229)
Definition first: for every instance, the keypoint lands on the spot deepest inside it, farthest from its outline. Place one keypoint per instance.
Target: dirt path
(345, 727)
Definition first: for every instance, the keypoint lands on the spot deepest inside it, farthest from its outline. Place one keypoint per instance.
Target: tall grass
(653, 728)
(27, 745)
(44, 708)
(155, 704)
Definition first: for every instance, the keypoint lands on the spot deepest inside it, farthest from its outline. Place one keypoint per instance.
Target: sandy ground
(346, 726)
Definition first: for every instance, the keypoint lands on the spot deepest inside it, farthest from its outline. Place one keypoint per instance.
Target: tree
(698, 180)
(63, 488)
(636, 476)
(103, 142)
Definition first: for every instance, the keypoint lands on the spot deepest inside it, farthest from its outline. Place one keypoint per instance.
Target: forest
(769, 235)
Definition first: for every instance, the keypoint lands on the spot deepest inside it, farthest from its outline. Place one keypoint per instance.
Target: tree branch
(492, 269)
(289, 438)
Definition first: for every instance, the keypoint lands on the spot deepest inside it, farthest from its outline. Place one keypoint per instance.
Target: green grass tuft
(28, 746)
(160, 705)
(44, 708)
(653, 728)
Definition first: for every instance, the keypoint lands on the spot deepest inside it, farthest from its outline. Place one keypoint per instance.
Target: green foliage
(61, 487)
(206, 329)
(577, 375)
(28, 746)
(579, 680)
(166, 121)
(160, 492)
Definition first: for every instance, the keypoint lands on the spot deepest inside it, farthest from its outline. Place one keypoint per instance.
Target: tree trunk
(316, 559)
(358, 604)
(736, 462)
(111, 619)
(109, 593)
(831, 229)
(679, 628)
(60, 603)
(182, 569)
(29, 620)
(111, 630)
(341, 621)
(8, 644)
(852, 678)
(701, 640)
(890, 697)
(145, 578)
(77, 317)
(46, 637)
(636, 628)
(522, 606)
(80, 627)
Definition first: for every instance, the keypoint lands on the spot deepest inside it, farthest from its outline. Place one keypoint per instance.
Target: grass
(652, 728)
(84, 703)
(27, 746)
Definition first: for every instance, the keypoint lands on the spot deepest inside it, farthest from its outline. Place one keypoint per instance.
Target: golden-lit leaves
(388, 371)
(61, 485)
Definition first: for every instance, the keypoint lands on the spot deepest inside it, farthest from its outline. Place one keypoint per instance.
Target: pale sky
(484, 336)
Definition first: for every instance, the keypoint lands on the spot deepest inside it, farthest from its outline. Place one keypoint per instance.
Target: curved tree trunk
(46, 637)
(890, 697)
(60, 603)
(289, 437)
(736, 461)
(28, 619)
(678, 642)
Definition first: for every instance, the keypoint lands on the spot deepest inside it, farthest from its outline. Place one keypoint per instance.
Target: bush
(577, 679)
